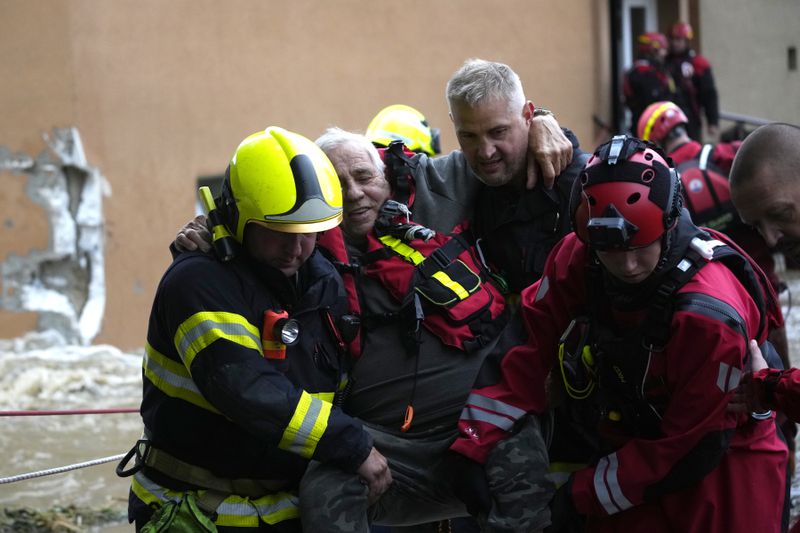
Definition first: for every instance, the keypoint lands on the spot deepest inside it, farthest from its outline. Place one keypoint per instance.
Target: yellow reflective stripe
(413, 256)
(201, 329)
(324, 396)
(151, 493)
(272, 508)
(648, 127)
(172, 378)
(404, 250)
(457, 288)
(308, 424)
(234, 511)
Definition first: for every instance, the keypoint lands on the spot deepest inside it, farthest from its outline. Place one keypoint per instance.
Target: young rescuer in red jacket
(645, 320)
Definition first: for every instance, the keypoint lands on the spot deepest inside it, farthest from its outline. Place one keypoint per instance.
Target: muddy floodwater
(38, 372)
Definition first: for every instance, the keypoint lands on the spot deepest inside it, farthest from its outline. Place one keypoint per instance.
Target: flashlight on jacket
(279, 331)
(221, 238)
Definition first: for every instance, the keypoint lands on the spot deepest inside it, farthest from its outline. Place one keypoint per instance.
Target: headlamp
(287, 330)
(278, 332)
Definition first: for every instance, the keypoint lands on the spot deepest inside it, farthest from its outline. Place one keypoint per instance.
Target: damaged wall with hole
(161, 93)
(63, 282)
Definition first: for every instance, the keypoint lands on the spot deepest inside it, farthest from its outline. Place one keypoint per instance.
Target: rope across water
(61, 469)
(67, 468)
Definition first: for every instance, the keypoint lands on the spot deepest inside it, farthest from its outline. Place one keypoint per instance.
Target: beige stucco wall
(162, 92)
(747, 43)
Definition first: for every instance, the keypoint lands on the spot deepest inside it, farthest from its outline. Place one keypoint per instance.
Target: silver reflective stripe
(497, 406)
(156, 490)
(207, 325)
(544, 286)
(173, 379)
(613, 483)
(728, 377)
(304, 432)
(722, 376)
(249, 508)
(606, 486)
(704, 156)
(479, 415)
(736, 377)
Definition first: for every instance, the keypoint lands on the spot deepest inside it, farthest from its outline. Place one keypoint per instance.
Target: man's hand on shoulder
(194, 236)
(549, 150)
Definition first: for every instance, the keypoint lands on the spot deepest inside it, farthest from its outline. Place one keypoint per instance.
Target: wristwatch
(541, 112)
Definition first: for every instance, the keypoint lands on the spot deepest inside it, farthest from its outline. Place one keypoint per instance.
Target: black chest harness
(608, 372)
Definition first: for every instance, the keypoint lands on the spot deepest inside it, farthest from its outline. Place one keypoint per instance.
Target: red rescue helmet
(658, 119)
(630, 196)
(652, 41)
(681, 30)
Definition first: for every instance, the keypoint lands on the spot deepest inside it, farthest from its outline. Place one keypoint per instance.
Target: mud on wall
(61, 277)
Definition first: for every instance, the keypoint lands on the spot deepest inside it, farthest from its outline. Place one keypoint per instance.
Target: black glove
(470, 484)
(564, 518)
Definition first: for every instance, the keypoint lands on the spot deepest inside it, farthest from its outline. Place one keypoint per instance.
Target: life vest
(440, 280)
(708, 193)
(605, 372)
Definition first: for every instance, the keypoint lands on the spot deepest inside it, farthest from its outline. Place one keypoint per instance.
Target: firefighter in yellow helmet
(404, 123)
(243, 361)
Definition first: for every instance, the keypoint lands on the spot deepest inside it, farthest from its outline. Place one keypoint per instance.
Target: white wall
(746, 42)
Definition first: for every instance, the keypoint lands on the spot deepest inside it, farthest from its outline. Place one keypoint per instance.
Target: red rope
(71, 412)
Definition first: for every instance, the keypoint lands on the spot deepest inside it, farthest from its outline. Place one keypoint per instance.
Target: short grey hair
(479, 80)
(334, 137)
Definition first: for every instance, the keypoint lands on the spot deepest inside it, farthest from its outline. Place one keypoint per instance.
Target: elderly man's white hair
(335, 137)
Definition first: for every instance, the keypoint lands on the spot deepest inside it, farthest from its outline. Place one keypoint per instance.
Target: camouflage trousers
(334, 501)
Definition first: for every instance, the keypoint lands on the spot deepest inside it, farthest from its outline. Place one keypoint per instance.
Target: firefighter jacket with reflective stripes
(694, 475)
(213, 399)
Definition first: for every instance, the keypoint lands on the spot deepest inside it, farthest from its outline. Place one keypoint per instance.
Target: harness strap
(432, 266)
(399, 168)
(656, 327)
(443, 256)
(210, 501)
(149, 456)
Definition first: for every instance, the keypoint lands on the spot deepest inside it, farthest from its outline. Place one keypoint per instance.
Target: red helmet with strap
(658, 119)
(681, 30)
(652, 41)
(630, 196)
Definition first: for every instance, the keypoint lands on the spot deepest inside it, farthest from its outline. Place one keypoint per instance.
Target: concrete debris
(65, 283)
